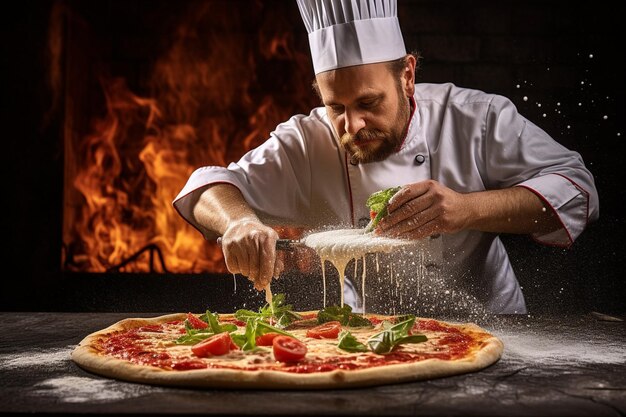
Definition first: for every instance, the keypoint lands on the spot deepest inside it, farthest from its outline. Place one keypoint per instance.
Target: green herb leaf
(240, 340)
(378, 203)
(264, 328)
(213, 320)
(388, 339)
(245, 315)
(194, 336)
(281, 313)
(343, 315)
(349, 343)
(255, 327)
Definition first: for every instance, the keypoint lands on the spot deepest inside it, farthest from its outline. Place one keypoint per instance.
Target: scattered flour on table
(76, 389)
(70, 389)
(55, 357)
(556, 349)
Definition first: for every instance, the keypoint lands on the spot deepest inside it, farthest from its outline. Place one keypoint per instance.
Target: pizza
(278, 348)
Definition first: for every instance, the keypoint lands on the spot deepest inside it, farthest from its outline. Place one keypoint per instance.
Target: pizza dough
(143, 350)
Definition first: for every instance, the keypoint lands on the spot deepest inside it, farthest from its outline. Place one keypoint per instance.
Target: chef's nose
(354, 121)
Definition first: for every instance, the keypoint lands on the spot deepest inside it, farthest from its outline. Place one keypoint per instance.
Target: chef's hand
(250, 249)
(423, 209)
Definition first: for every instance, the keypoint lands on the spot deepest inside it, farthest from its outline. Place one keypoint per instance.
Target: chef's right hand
(250, 249)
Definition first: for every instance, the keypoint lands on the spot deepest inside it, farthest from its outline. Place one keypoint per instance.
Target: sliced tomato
(218, 344)
(328, 330)
(288, 349)
(373, 214)
(266, 339)
(195, 322)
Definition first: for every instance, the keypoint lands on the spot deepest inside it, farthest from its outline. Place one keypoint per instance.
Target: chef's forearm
(511, 210)
(219, 206)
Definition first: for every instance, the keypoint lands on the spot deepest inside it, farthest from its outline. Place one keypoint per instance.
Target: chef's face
(368, 106)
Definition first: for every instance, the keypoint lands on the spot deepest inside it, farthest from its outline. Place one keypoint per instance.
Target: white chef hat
(343, 33)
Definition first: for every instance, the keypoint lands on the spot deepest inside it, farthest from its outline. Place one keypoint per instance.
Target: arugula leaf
(398, 334)
(213, 320)
(246, 341)
(255, 327)
(194, 336)
(264, 328)
(281, 313)
(245, 315)
(377, 202)
(343, 315)
(349, 343)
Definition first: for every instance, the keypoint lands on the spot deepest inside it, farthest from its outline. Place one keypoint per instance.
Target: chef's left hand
(424, 209)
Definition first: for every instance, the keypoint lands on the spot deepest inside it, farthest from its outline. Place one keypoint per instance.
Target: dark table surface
(574, 365)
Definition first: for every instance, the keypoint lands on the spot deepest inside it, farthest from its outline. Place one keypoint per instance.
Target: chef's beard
(379, 145)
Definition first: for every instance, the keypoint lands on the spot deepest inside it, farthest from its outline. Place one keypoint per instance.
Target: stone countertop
(572, 365)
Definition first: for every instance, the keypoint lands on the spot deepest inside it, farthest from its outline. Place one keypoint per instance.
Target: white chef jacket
(465, 139)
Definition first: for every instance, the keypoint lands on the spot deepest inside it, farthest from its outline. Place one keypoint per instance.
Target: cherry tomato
(288, 349)
(266, 339)
(373, 214)
(329, 330)
(218, 344)
(195, 322)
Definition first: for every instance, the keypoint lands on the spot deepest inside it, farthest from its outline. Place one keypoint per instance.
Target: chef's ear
(408, 75)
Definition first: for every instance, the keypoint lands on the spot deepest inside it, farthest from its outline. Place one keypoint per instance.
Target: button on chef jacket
(467, 140)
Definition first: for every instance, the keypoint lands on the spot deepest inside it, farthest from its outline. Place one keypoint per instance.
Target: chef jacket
(465, 139)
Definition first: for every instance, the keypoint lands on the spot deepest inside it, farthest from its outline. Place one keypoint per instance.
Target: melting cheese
(343, 245)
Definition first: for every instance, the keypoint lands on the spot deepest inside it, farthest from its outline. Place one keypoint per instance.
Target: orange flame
(205, 109)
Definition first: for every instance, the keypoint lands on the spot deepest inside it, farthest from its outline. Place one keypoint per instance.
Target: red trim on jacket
(569, 236)
(345, 158)
(406, 131)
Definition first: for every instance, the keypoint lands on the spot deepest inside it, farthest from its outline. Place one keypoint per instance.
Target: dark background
(535, 49)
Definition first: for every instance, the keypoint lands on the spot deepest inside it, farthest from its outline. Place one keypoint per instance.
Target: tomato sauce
(139, 348)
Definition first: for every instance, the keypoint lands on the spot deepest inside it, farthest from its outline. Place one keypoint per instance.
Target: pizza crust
(90, 359)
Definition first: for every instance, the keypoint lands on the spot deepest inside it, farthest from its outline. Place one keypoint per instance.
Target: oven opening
(149, 93)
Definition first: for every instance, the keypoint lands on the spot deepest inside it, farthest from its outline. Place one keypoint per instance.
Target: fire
(204, 107)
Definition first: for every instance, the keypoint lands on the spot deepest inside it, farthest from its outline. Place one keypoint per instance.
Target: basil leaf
(388, 339)
(343, 315)
(381, 342)
(349, 343)
(404, 318)
(414, 338)
(405, 325)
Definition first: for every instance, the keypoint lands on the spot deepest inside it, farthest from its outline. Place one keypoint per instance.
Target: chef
(470, 165)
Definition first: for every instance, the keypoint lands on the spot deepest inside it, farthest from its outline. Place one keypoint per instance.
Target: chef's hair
(397, 67)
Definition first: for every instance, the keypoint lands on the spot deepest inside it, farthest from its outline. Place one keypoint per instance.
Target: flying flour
(341, 246)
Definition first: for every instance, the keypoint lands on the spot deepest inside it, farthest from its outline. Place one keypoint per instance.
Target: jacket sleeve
(274, 178)
(519, 153)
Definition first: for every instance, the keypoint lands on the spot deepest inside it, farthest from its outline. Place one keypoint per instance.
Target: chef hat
(344, 33)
